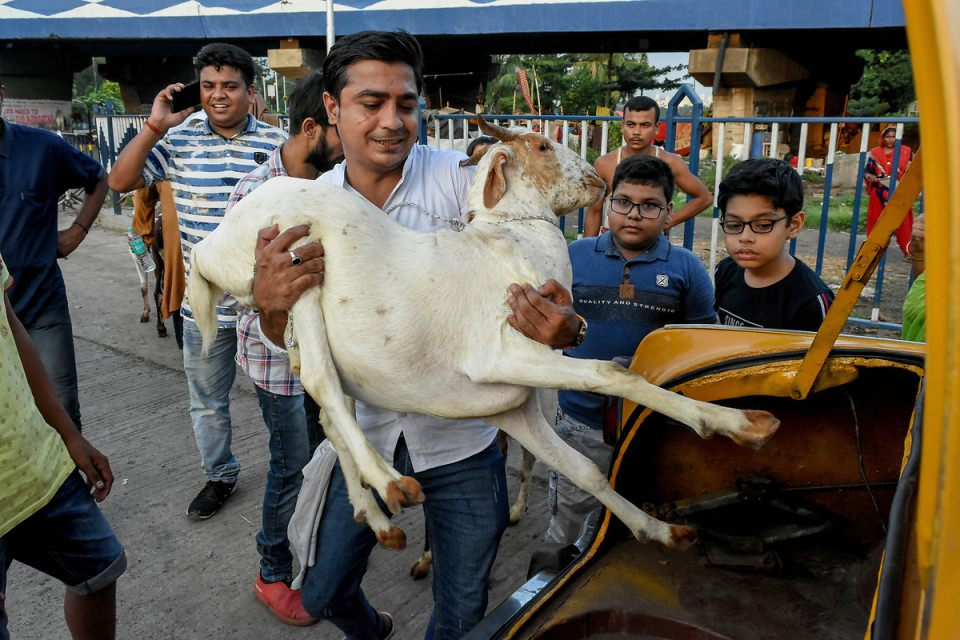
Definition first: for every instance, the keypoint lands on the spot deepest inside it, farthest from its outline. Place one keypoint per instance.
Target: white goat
(417, 322)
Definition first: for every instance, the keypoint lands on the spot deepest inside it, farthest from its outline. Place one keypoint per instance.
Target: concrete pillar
(753, 82)
(293, 61)
(823, 101)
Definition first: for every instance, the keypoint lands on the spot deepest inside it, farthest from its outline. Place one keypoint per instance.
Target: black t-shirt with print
(799, 301)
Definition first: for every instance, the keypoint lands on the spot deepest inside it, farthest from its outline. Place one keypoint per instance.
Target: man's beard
(320, 158)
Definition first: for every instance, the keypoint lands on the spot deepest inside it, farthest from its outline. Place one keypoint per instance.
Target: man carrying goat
(373, 82)
(412, 318)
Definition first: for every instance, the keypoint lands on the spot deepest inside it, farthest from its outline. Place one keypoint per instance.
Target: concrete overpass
(148, 43)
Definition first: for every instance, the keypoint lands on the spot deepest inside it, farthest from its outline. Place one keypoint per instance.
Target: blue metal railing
(114, 131)
(548, 124)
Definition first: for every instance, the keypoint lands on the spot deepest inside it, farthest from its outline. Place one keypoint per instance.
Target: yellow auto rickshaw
(847, 523)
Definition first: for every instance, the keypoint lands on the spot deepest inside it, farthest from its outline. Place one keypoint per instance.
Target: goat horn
(490, 129)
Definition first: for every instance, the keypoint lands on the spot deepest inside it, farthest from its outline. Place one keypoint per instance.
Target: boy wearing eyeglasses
(626, 283)
(761, 284)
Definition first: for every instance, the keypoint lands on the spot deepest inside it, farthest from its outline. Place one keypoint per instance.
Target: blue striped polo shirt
(203, 167)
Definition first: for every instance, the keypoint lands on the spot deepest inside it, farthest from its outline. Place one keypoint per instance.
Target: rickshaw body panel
(855, 422)
(933, 34)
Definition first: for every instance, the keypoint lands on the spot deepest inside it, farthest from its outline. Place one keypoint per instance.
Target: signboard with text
(48, 114)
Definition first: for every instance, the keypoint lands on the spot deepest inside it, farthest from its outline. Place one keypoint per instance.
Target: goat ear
(496, 184)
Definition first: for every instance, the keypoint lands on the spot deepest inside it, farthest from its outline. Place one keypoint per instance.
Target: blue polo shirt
(670, 286)
(36, 168)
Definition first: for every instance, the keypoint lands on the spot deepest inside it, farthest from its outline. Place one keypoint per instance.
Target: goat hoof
(145, 316)
(404, 492)
(161, 332)
(516, 513)
(761, 428)
(681, 537)
(411, 491)
(393, 538)
(421, 568)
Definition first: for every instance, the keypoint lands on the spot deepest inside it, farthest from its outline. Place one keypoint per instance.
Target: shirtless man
(640, 117)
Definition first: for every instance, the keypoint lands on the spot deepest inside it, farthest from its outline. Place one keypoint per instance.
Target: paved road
(192, 579)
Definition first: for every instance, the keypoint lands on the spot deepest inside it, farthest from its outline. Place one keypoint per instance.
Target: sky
(673, 59)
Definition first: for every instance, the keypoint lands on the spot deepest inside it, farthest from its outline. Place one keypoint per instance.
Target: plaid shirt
(269, 370)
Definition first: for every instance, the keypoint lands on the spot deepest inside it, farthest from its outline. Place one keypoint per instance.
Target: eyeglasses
(735, 227)
(647, 210)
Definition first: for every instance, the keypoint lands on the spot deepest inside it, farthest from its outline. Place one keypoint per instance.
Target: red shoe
(283, 602)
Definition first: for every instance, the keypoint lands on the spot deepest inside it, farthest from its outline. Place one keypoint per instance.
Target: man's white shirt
(431, 195)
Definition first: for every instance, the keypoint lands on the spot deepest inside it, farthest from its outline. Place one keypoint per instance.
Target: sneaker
(387, 621)
(210, 499)
(283, 602)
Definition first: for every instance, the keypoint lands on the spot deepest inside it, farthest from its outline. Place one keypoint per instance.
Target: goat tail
(204, 296)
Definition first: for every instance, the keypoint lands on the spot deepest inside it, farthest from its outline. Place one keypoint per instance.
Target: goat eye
(543, 146)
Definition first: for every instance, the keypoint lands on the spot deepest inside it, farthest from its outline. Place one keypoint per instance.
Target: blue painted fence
(114, 131)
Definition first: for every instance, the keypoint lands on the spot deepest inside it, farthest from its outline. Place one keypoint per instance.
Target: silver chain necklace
(456, 224)
(521, 218)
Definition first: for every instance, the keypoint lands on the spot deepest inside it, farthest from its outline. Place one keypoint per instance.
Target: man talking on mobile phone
(203, 162)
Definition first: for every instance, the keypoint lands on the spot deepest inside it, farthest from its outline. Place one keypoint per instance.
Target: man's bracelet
(85, 229)
(153, 127)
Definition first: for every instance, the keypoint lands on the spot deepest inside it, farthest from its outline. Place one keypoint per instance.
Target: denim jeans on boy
(52, 335)
(68, 539)
(293, 437)
(466, 512)
(209, 378)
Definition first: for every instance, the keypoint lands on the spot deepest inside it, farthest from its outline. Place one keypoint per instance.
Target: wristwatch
(581, 334)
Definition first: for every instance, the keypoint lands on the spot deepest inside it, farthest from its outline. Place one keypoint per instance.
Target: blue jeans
(52, 335)
(209, 378)
(293, 437)
(573, 510)
(67, 539)
(466, 512)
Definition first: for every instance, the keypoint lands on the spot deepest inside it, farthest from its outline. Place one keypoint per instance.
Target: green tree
(886, 86)
(573, 83)
(90, 89)
(503, 90)
(545, 75)
(107, 92)
(583, 92)
(637, 74)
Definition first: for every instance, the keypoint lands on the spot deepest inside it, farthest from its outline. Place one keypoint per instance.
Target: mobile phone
(187, 97)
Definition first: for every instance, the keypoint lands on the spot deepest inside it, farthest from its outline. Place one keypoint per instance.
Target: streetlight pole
(330, 31)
